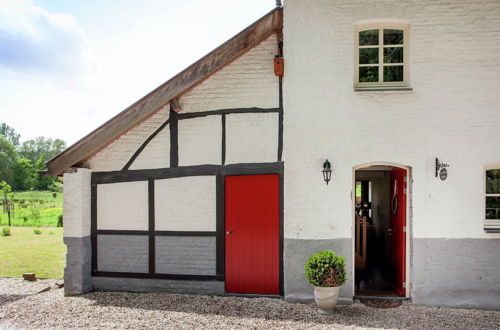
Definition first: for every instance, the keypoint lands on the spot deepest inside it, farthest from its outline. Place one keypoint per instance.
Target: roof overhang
(173, 88)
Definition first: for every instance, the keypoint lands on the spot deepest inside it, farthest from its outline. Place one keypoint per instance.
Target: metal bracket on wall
(439, 166)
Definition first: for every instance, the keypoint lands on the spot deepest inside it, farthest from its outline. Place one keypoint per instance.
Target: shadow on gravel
(7, 298)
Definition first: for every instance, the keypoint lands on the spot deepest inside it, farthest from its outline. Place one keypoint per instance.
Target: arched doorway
(381, 195)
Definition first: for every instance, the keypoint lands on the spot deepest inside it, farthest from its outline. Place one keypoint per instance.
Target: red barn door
(252, 234)
(398, 230)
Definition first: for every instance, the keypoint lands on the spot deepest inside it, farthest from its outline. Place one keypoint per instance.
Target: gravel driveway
(22, 306)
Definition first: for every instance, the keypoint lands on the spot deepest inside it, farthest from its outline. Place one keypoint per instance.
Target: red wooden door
(397, 230)
(252, 234)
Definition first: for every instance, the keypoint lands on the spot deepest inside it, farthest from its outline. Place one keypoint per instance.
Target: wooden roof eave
(173, 88)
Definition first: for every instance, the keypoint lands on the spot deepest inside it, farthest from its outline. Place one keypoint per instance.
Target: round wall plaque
(443, 174)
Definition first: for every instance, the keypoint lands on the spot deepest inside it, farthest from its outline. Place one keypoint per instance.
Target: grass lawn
(34, 209)
(26, 252)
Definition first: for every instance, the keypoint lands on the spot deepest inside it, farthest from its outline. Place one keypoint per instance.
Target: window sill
(492, 230)
(382, 89)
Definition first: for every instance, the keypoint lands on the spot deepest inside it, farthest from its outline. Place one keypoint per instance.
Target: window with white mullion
(492, 199)
(381, 58)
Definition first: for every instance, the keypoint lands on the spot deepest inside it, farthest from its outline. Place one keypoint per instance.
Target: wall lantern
(327, 171)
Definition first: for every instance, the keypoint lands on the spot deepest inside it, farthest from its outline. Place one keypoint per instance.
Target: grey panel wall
(77, 273)
(186, 255)
(456, 272)
(157, 285)
(122, 253)
(296, 252)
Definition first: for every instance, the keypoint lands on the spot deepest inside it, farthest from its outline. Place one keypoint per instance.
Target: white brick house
(212, 183)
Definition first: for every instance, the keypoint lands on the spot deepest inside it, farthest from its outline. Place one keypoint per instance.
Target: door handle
(229, 232)
(389, 231)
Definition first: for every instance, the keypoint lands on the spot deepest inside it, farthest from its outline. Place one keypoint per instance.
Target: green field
(34, 209)
(26, 252)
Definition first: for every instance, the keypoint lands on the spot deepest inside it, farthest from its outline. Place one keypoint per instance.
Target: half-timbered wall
(157, 191)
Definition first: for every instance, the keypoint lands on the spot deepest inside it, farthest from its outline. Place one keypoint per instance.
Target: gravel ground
(23, 306)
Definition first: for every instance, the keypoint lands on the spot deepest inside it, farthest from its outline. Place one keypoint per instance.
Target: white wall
(114, 156)
(77, 203)
(185, 204)
(122, 206)
(248, 81)
(200, 141)
(452, 113)
(251, 138)
(156, 154)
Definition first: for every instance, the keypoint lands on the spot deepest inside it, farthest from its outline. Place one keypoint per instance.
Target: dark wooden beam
(178, 85)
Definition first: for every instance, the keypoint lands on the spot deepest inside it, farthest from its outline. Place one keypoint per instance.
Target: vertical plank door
(252, 234)
(397, 230)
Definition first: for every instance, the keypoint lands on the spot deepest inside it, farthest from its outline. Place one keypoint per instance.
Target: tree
(41, 147)
(7, 156)
(24, 175)
(9, 133)
(6, 191)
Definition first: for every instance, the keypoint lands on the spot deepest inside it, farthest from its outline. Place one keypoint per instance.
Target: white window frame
(492, 225)
(406, 51)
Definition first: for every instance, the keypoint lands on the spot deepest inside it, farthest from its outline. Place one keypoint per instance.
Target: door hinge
(404, 285)
(404, 190)
(405, 179)
(404, 229)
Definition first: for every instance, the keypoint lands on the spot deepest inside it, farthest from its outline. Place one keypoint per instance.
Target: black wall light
(327, 171)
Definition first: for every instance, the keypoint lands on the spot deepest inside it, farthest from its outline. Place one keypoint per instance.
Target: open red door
(397, 230)
(252, 234)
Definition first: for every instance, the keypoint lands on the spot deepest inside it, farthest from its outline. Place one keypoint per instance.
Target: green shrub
(326, 269)
(6, 231)
(37, 231)
(60, 220)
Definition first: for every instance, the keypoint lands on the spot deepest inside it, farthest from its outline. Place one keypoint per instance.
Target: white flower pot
(326, 298)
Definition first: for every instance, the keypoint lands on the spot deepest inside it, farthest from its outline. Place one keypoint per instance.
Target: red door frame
(222, 235)
(407, 256)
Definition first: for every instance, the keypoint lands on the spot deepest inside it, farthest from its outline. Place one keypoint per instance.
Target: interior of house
(374, 262)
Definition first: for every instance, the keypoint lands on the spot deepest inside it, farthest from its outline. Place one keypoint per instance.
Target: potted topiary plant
(326, 272)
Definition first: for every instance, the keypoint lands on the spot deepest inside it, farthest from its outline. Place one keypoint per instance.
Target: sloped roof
(170, 90)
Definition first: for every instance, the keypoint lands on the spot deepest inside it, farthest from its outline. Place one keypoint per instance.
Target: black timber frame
(220, 172)
(174, 171)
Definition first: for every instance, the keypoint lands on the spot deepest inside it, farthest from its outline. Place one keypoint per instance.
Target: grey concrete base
(461, 273)
(157, 285)
(296, 252)
(77, 273)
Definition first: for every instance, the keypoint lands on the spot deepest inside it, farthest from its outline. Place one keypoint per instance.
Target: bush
(60, 220)
(6, 231)
(37, 231)
(326, 269)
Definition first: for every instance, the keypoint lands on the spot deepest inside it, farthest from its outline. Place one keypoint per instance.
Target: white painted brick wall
(117, 154)
(453, 113)
(156, 154)
(185, 204)
(123, 206)
(248, 81)
(200, 141)
(76, 206)
(251, 138)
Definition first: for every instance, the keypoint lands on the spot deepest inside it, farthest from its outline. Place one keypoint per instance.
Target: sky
(67, 66)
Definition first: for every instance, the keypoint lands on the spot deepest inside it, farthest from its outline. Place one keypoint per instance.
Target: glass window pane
(393, 55)
(368, 74)
(368, 37)
(368, 55)
(493, 181)
(393, 37)
(393, 73)
(492, 207)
